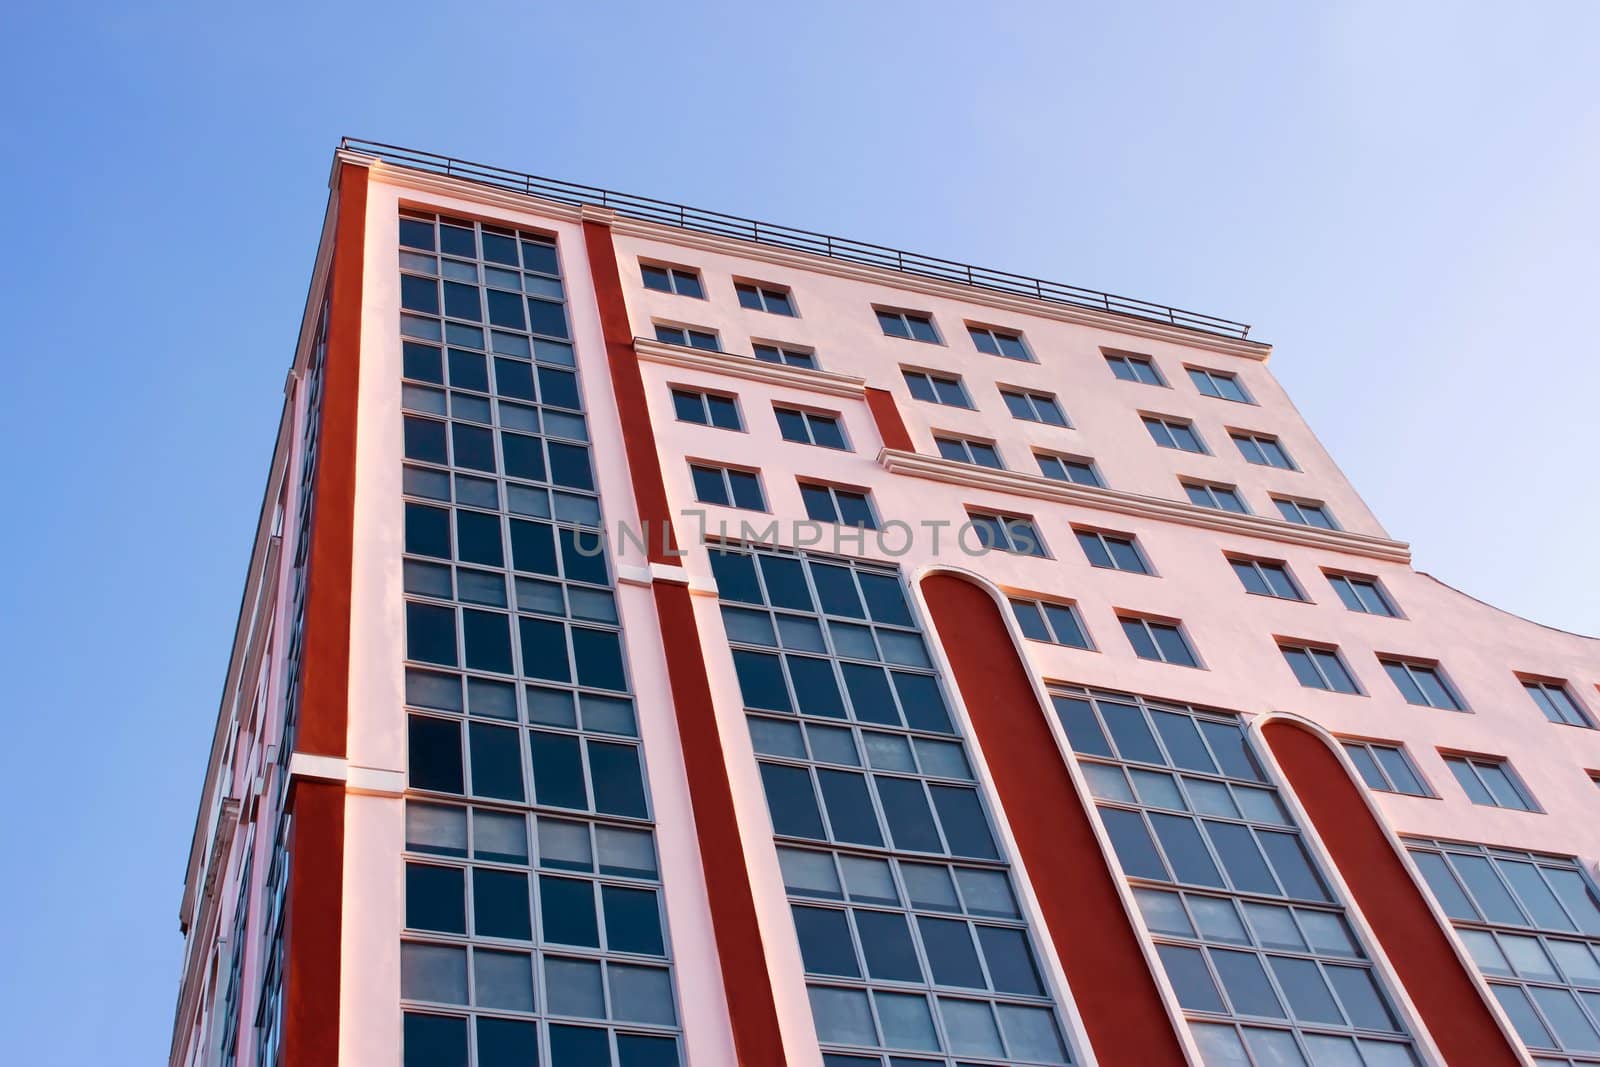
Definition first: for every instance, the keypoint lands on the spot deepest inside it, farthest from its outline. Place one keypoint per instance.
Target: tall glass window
(534, 926)
(1265, 965)
(915, 948)
(1532, 924)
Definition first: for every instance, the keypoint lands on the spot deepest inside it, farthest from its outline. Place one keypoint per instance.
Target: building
(674, 639)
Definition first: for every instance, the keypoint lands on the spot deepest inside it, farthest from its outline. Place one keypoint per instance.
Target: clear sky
(1401, 197)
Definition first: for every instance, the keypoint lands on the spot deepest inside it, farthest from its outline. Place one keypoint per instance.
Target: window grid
(1490, 782)
(1532, 925)
(518, 701)
(681, 281)
(1266, 577)
(1174, 433)
(1557, 702)
(1422, 684)
(1305, 512)
(1362, 593)
(1074, 469)
(1007, 533)
(936, 388)
(995, 342)
(1320, 667)
(969, 450)
(729, 487)
(1386, 768)
(1113, 551)
(1219, 384)
(811, 427)
(1034, 407)
(831, 503)
(910, 325)
(1263, 450)
(1131, 368)
(1159, 640)
(1052, 621)
(1255, 943)
(761, 296)
(783, 355)
(1215, 495)
(688, 336)
(910, 931)
(707, 409)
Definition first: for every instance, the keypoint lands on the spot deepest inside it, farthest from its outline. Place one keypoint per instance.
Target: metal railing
(715, 222)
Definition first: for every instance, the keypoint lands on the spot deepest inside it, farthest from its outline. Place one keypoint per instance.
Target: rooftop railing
(716, 222)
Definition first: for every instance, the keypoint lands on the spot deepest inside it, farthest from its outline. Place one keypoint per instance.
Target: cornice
(440, 185)
(939, 469)
(751, 369)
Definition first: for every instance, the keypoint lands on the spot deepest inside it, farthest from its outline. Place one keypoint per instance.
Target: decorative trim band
(748, 367)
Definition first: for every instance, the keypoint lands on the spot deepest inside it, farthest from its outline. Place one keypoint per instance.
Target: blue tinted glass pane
(1139, 637)
(1030, 620)
(1184, 747)
(886, 944)
(910, 821)
(597, 655)
(1228, 744)
(1246, 983)
(431, 634)
(1403, 681)
(786, 583)
(435, 1041)
(642, 1050)
(761, 681)
(436, 898)
(924, 706)
(849, 805)
(951, 955)
(1083, 731)
(736, 577)
(1010, 960)
(870, 697)
(532, 547)
(496, 761)
(1292, 866)
(1186, 969)
(578, 1046)
(791, 801)
(566, 909)
(434, 751)
(507, 1043)
(837, 591)
(1241, 858)
(616, 779)
(1130, 732)
(1174, 648)
(816, 689)
(966, 830)
(1185, 849)
(500, 905)
(557, 770)
(1360, 997)
(487, 637)
(544, 649)
(427, 531)
(825, 944)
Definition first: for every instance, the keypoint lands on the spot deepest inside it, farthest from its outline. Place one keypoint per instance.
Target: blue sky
(1400, 197)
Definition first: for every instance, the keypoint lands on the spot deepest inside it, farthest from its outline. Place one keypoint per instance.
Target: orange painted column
(1446, 994)
(886, 413)
(1077, 888)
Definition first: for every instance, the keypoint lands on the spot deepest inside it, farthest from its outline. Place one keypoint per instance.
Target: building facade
(676, 640)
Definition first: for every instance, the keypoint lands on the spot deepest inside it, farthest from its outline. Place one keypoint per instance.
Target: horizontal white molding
(751, 368)
(321, 768)
(939, 469)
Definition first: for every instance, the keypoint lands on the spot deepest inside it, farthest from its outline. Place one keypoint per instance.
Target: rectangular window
(1386, 768)
(811, 428)
(1422, 684)
(1305, 512)
(1112, 551)
(1044, 620)
(1266, 577)
(999, 343)
(1131, 368)
(1319, 667)
(847, 507)
(1215, 495)
(1263, 450)
(1073, 469)
(936, 388)
(970, 450)
(763, 296)
(679, 280)
(728, 486)
(1154, 639)
(707, 409)
(783, 355)
(1007, 533)
(1362, 593)
(1489, 780)
(1556, 702)
(1034, 407)
(1220, 384)
(1169, 432)
(688, 336)
(911, 325)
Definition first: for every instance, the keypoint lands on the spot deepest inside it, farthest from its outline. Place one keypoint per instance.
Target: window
(687, 336)
(1266, 577)
(1489, 780)
(1557, 704)
(707, 409)
(728, 486)
(999, 343)
(1386, 768)
(1305, 512)
(968, 450)
(1257, 946)
(1044, 620)
(1112, 551)
(764, 297)
(936, 388)
(783, 355)
(679, 280)
(1319, 667)
(1007, 533)
(1220, 384)
(1169, 432)
(1073, 469)
(810, 428)
(1154, 639)
(1034, 407)
(1131, 368)
(912, 325)
(1362, 593)
(1215, 495)
(1262, 449)
(1422, 684)
(847, 507)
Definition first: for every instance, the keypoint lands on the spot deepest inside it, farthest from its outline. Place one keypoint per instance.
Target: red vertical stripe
(313, 924)
(1077, 889)
(886, 413)
(1445, 993)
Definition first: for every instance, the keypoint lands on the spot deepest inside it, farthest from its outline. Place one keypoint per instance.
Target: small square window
(1386, 768)
(1132, 368)
(1312, 513)
(1034, 407)
(1266, 577)
(762, 296)
(1319, 667)
(811, 427)
(1158, 640)
(687, 336)
(969, 450)
(679, 280)
(1362, 593)
(1007, 533)
(999, 343)
(1044, 620)
(1215, 495)
(1264, 450)
(1422, 684)
(911, 325)
(727, 486)
(784, 355)
(1112, 551)
(1170, 432)
(1073, 469)
(846, 507)
(936, 388)
(1557, 703)
(707, 409)
(1220, 384)
(1490, 781)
